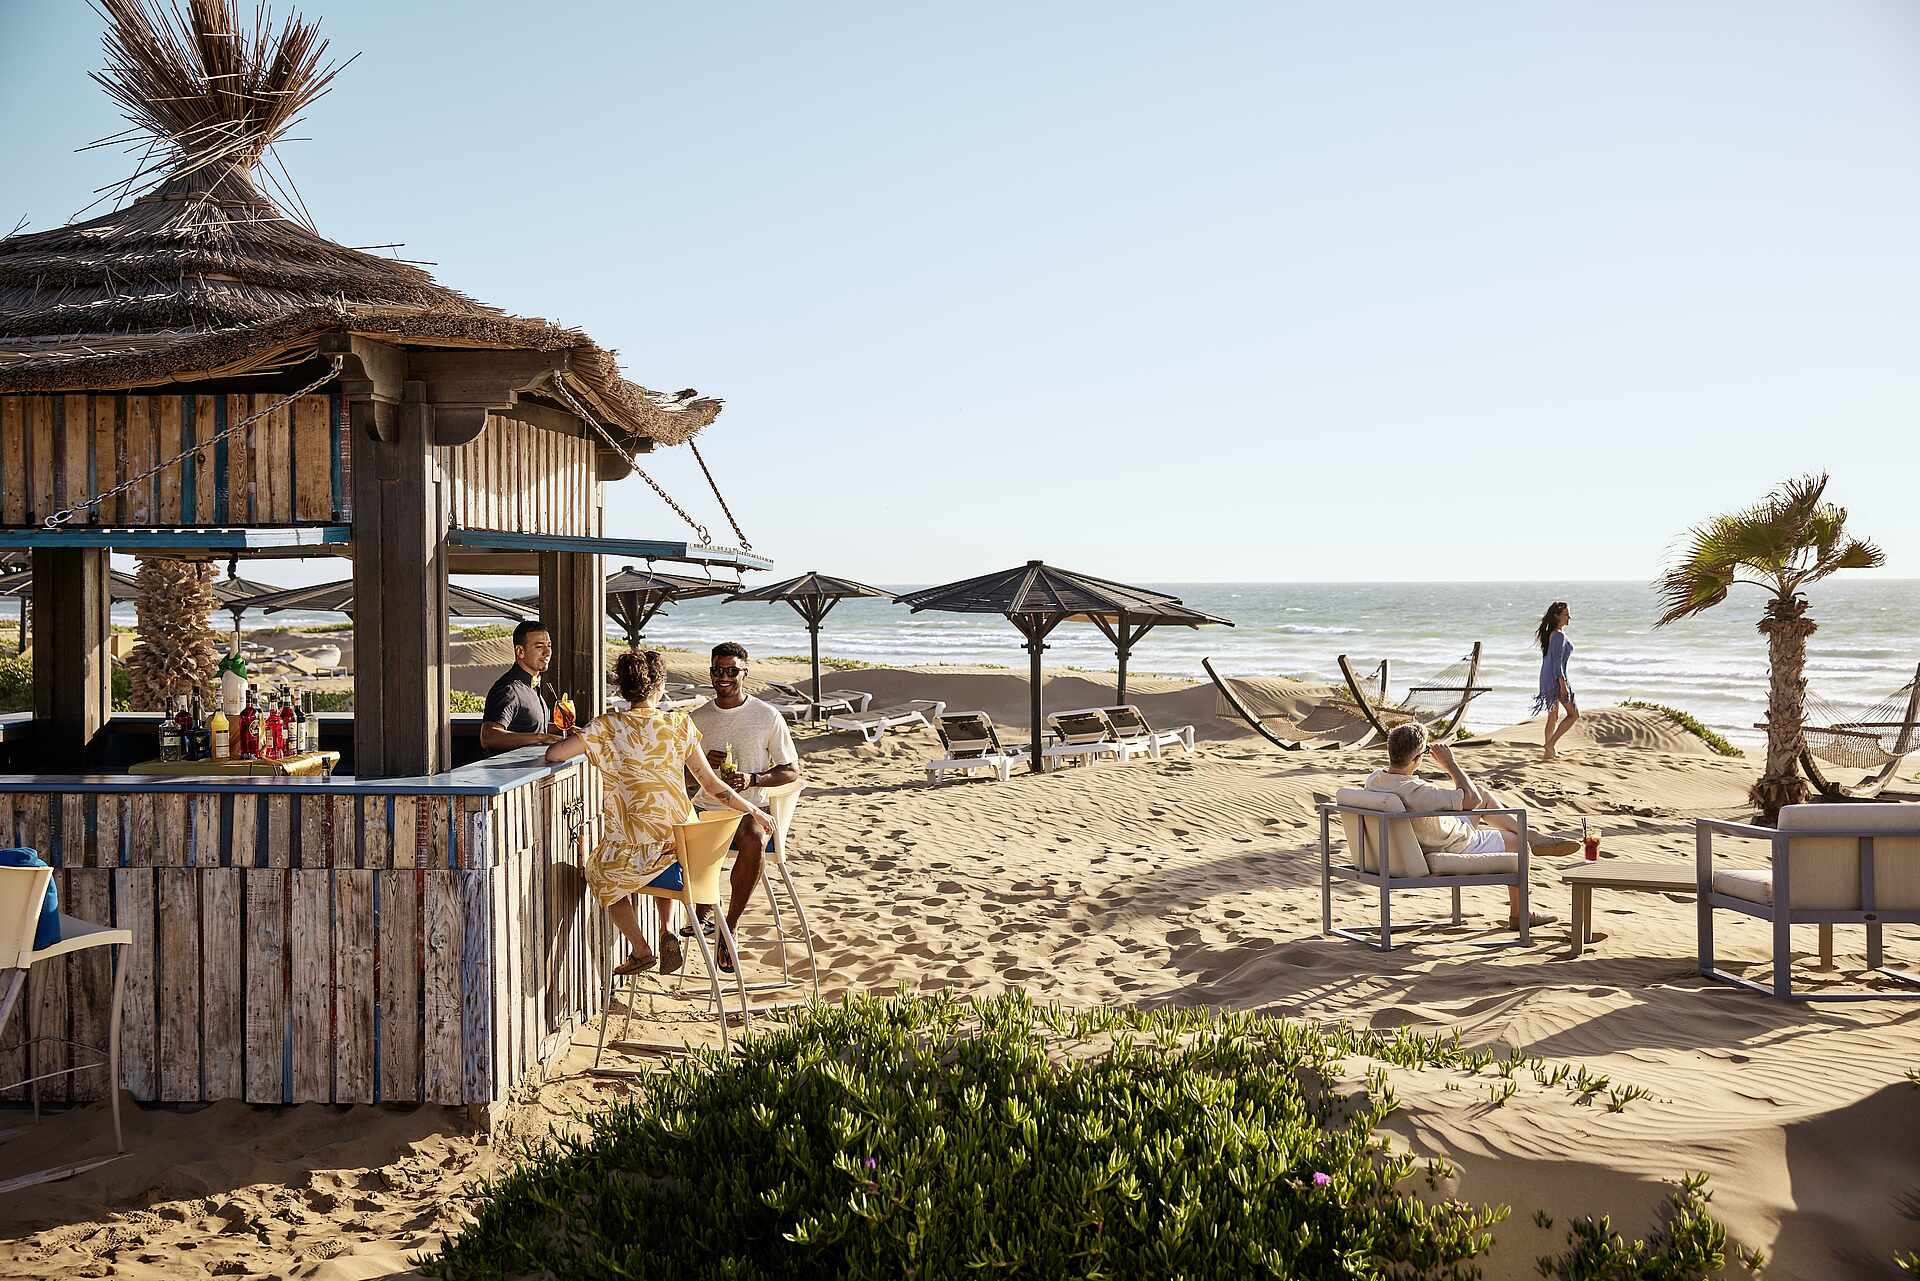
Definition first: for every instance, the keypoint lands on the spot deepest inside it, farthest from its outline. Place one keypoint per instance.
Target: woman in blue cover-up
(1556, 695)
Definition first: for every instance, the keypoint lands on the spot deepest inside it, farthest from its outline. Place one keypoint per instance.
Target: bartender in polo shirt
(519, 713)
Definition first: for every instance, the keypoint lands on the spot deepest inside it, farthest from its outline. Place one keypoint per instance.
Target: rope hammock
(1438, 701)
(1864, 739)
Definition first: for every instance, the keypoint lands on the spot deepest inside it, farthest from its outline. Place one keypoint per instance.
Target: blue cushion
(49, 932)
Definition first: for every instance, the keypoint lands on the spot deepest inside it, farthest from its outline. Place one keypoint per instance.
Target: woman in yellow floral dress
(643, 755)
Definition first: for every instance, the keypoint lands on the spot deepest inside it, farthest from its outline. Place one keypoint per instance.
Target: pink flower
(1321, 1180)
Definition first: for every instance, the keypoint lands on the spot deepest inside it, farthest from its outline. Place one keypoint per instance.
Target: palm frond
(1855, 553)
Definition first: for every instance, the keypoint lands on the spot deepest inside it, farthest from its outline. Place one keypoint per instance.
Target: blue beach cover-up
(1553, 670)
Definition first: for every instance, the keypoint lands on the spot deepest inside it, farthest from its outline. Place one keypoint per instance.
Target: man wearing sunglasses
(763, 757)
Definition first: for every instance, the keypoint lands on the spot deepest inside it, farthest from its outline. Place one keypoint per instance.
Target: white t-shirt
(1442, 834)
(755, 731)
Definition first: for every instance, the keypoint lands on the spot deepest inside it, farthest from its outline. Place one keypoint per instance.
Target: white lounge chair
(1372, 821)
(972, 743)
(1134, 735)
(831, 700)
(1084, 735)
(870, 725)
(1829, 865)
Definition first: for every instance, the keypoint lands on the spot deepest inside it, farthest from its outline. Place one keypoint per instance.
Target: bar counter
(305, 940)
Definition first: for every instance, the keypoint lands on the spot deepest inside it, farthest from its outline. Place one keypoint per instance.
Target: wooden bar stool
(22, 891)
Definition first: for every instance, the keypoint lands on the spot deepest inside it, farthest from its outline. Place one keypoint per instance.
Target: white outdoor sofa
(1372, 821)
(972, 743)
(1829, 865)
(871, 724)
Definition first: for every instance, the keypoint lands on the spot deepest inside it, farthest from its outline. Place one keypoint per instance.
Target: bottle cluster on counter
(275, 727)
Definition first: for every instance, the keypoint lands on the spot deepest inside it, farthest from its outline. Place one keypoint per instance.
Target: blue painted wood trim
(644, 548)
(130, 540)
(494, 777)
(190, 465)
(334, 441)
(220, 460)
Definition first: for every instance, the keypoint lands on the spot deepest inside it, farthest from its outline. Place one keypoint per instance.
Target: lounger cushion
(1755, 885)
(1444, 864)
(1825, 872)
(1404, 855)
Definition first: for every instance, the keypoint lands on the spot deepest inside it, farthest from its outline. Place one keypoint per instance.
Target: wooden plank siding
(522, 479)
(345, 947)
(62, 450)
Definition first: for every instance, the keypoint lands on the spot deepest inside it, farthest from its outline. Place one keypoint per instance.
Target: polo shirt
(517, 705)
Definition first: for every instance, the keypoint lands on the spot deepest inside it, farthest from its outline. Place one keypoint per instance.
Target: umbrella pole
(813, 635)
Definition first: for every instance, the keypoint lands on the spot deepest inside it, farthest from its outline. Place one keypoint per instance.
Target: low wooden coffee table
(1607, 874)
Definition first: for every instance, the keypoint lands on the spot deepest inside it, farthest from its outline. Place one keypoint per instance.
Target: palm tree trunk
(1786, 627)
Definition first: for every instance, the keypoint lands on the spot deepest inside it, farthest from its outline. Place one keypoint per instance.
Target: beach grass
(1688, 722)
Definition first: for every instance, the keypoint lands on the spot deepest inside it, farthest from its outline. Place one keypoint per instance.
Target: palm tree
(1789, 539)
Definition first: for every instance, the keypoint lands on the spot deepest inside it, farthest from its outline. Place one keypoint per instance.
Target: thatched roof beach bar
(199, 374)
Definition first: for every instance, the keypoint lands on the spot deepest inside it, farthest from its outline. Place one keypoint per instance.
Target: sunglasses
(727, 671)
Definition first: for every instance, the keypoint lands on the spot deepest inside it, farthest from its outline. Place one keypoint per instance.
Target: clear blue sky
(1257, 292)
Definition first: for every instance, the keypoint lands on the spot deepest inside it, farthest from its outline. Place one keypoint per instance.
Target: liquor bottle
(249, 729)
(169, 733)
(302, 727)
(219, 746)
(277, 728)
(196, 741)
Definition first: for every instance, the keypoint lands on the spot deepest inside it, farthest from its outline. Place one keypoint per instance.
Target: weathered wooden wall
(521, 478)
(347, 948)
(291, 467)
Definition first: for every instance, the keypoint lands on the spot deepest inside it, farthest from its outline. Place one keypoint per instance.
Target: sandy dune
(1192, 881)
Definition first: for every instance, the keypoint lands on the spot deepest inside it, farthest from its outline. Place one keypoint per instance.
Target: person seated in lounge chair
(1407, 746)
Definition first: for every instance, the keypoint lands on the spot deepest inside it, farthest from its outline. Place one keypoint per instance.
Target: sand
(1191, 881)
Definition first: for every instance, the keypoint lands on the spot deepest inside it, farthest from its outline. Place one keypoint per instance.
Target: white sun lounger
(1133, 734)
(795, 703)
(972, 743)
(1084, 735)
(870, 725)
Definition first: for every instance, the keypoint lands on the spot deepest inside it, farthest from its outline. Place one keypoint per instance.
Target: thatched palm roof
(205, 276)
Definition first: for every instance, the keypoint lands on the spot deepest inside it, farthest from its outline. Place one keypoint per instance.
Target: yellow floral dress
(641, 756)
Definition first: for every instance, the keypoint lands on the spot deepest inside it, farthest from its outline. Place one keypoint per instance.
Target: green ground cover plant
(1688, 722)
(930, 1137)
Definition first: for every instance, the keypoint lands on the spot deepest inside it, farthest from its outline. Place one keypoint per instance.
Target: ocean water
(1714, 666)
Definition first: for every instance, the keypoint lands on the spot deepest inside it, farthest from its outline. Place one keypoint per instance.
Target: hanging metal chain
(633, 461)
(66, 514)
(738, 532)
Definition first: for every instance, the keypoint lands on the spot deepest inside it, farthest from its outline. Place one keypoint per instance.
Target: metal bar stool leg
(739, 976)
(779, 925)
(806, 931)
(713, 970)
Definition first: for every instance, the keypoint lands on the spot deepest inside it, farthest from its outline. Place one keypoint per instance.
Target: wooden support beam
(70, 630)
(400, 724)
(573, 606)
(536, 414)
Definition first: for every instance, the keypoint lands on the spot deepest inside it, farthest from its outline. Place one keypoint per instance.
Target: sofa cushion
(1404, 855)
(1444, 864)
(1825, 871)
(1752, 884)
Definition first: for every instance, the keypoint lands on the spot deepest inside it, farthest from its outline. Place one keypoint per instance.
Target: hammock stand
(1438, 702)
(1883, 735)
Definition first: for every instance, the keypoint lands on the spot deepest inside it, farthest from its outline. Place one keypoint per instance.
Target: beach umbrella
(813, 596)
(1125, 627)
(19, 585)
(1036, 598)
(337, 598)
(634, 596)
(237, 594)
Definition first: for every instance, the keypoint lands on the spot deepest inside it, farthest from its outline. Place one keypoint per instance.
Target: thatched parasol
(337, 598)
(18, 583)
(236, 595)
(813, 596)
(204, 276)
(1036, 598)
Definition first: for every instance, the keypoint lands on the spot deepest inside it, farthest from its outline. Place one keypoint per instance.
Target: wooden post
(814, 610)
(573, 606)
(1035, 628)
(400, 723)
(71, 699)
